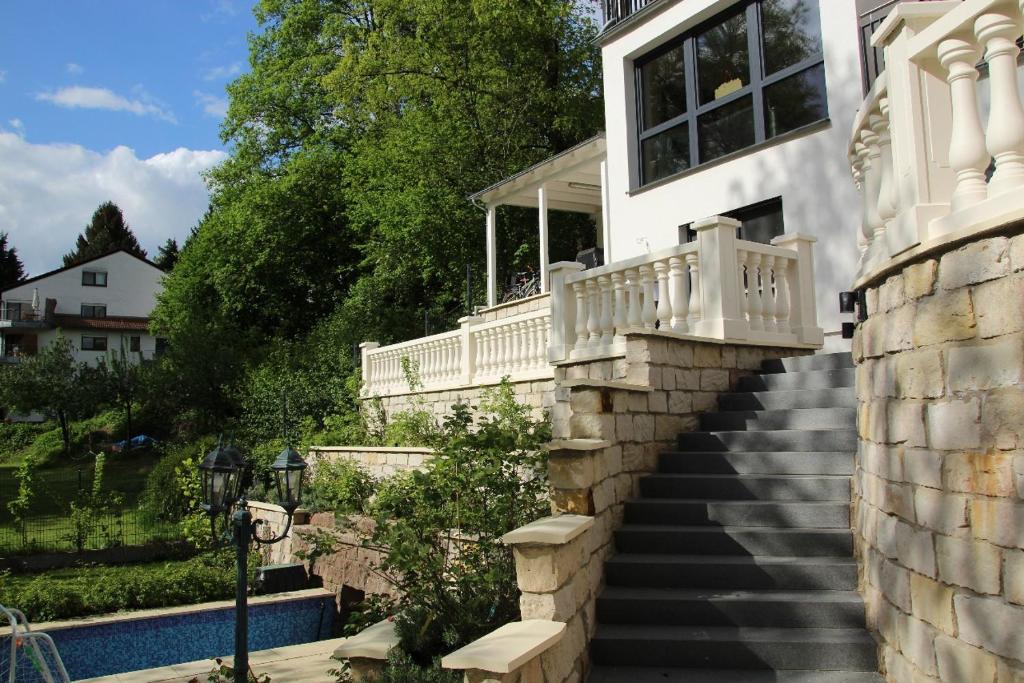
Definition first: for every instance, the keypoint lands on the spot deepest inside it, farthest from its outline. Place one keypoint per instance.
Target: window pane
(726, 129)
(723, 65)
(666, 153)
(792, 32)
(663, 84)
(795, 101)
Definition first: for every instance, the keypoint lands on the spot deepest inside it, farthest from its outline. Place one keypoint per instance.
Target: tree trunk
(65, 430)
(128, 414)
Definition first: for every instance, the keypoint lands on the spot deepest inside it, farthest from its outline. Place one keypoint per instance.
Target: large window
(748, 75)
(94, 310)
(94, 278)
(94, 343)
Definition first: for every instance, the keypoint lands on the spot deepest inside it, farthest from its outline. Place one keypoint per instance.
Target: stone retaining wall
(528, 305)
(537, 394)
(940, 469)
(378, 462)
(349, 566)
(610, 420)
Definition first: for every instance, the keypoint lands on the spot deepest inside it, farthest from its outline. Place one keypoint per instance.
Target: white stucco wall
(147, 343)
(132, 286)
(811, 173)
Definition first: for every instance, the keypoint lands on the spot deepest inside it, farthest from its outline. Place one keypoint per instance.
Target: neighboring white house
(101, 306)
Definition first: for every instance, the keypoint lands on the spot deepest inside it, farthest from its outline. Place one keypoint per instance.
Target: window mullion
(690, 71)
(756, 68)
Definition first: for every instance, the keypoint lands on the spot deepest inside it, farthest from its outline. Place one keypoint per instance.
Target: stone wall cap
(507, 648)
(557, 530)
(576, 444)
(604, 384)
(370, 643)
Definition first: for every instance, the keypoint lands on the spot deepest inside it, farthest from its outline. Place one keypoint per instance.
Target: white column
(542, 222)
(606, 214)
(470, 361)
(369, 377)
(967, 154)
(720, 304)
(563, 311)
(803, 312)
(492, 255)
(1005, 132)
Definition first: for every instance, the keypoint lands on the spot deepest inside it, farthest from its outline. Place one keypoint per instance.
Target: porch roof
(571, 178)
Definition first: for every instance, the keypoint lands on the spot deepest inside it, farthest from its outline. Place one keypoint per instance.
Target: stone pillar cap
(508, 648)
(371, 643)
(557, 530)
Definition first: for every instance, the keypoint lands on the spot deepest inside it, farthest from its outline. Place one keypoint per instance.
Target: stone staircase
(736, 564)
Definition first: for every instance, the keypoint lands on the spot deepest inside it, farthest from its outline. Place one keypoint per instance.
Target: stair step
(811, 379)
(802, 418)
(753, 609)
(788, 399)
(757, 462)
(732, 572)
(743, 648)
(733, 540)
(807, 487)
(817, 361)
(779, 440)
(645, 674)
(819, 515)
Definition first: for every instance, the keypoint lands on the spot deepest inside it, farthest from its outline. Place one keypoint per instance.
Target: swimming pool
(143, 640)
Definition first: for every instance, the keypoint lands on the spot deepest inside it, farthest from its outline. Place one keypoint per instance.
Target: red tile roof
(77, 322)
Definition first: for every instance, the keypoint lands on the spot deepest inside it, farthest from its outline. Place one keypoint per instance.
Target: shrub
(17, 436)
(339, 486)
(163, 498)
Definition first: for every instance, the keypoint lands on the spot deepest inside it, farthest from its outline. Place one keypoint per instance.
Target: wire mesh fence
(62, 515)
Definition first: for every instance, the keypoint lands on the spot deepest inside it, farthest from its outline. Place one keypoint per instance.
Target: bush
(163, 498)
(97, 590)
(17, 436)
(339, 486)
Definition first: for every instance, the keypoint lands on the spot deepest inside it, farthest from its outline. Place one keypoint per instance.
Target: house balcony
(21, 317)
(618, 10)
(937, 147)
(718, 289)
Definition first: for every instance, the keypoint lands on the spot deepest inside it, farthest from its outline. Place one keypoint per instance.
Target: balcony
(618, 10)
(17, 316)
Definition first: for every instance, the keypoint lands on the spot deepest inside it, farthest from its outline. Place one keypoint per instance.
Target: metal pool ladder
(32, 656)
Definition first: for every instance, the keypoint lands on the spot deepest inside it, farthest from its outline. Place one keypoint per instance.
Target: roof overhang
(571, 178)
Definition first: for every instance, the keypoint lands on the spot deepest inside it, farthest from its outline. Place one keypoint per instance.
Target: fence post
(803, 315)
(468, 348)
(719, 284)
(563, 310)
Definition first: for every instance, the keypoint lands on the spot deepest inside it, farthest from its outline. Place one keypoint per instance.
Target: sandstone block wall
(940, 469)
(528, 305)
(378, 462)
(538, 394)
(631, 409)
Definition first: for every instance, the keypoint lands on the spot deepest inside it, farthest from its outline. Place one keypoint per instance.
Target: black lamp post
(223, 475)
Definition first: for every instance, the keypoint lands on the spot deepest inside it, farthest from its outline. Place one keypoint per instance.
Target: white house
(101, 306)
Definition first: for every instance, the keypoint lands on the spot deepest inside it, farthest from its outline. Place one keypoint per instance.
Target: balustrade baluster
(867, 231)
(664, 305)
(507, 364)
(528, 345)
(1005, 134)
(540, 358)
(680, 299)
(693, 316)
(522, 340)
(754, 277)
(767, 296)
(887, 196)
(782, 305)
(582, 315)
(872, 184)
(878, 127)
(619, 314)
(742, 272)
(967, 154)
(633, 318)
(594, 313)
(648, 314)
(607, 328)
(488, 357)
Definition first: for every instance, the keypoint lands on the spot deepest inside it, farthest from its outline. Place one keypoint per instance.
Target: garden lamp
(289, 468)
(220, 473)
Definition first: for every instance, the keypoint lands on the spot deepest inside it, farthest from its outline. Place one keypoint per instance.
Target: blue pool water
(120, 646)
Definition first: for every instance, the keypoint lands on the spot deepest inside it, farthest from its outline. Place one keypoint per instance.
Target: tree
(167, 255)
(106, 232)
(11, 268)
(122, 378)
(51, 383)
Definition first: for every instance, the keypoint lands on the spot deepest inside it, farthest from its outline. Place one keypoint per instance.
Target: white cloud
(18, 126)
(83, 97)
(49, 192)
(74, 69)
(214, 106)
(220, 73)
(3, 75)
(220, 10)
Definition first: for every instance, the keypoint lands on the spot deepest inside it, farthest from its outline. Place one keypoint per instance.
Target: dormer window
(94, 278)
(747, 75)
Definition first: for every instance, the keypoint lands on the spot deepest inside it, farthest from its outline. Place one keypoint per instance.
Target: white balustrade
(921, 150)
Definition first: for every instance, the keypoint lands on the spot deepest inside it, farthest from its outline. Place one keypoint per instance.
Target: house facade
(101, 306)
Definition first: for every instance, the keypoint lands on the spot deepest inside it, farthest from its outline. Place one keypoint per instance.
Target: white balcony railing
(937, 155)
(718, 288)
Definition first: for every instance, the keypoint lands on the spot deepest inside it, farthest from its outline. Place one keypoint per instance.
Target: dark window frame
(93, 346)
(134, 343)
(754, 89)
(94, 273)
(94, 310)
(744, 215)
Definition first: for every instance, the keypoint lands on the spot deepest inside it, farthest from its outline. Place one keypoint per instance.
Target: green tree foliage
(106, 232)
(11, 268)
(51, 383)
(167, 254)
(121, 378)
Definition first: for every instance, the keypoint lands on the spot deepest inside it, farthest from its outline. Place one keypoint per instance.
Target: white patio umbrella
(35, 300)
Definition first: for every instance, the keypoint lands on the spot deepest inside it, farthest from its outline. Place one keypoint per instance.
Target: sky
(116, 100)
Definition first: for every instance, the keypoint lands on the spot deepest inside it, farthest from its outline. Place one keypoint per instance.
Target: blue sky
(112, 99)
